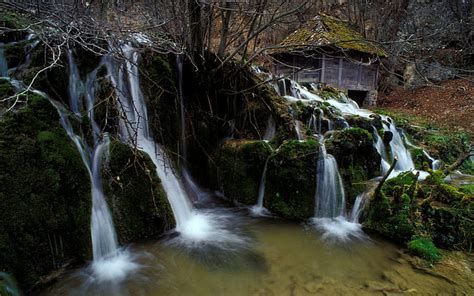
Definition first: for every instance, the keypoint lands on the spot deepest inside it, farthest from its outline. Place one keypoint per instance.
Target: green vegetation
(406, 208)
(292, 174)
(357, 159)
(45, 208)
(139, 205)
(424, 248)
(336, 32)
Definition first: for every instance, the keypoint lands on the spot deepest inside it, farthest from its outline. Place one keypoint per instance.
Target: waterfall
(3, 62)
(330, 197)
(258, 209)
(436, 164)
(270, 129)
(405, 162)
(380, 147)
(196, 228)
(134, 129)
(110, 263)
(104, 237)
(299, 135)
(359, 206)
(75, 84)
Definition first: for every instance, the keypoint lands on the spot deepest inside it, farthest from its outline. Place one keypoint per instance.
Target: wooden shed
(329, 51)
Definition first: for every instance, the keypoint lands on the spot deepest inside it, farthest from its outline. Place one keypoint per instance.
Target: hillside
(449, 104)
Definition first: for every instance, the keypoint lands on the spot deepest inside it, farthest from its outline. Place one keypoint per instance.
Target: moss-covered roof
(325, 30)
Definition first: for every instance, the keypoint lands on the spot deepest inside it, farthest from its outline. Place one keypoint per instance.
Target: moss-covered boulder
(239, 168)
(357, 159)
(15, 23)
(45, 194)
(139, 205)
(405, 210)
(291, 179)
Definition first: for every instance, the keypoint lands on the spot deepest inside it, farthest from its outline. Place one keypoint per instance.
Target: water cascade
(75, 85)
(258, 209)
(195, 227)
(110, 263)
(270, 129)
(330, 197)
(380, 147)
(3, 62)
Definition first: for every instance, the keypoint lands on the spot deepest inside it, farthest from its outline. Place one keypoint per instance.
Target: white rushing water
(380, 147)
(270, 130)
(110, 263)
(196, 228)
(259, 209)
(3, 62)
(330, 196)
(75, 85)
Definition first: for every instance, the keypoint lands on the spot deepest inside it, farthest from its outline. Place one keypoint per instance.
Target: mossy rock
(15, 53)
(357, 159)
(291, 180)
(45, 198)
(13, 21)
(157, 79)
(424, 248)
(239, 168)
(432, 208)
(139, 205)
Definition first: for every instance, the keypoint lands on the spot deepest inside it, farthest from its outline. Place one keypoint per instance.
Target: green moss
(45, 208)
(239, 169)
(139, 205)
(6, 89)
(15, 53)
(424, 248)
(292, 174)
(335, 32)
(15, 21)
(467, 189)
(357, 159)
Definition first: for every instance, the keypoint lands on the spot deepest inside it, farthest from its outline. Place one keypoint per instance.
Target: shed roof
(325, 30)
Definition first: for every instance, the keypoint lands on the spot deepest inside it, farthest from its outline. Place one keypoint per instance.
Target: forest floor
(449, 104)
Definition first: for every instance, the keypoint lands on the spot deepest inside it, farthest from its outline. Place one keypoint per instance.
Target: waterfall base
(258, 211)
(210, 228)
(338, 229)
(115, 268)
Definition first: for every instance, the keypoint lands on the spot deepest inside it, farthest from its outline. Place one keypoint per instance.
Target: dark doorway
(358, 95)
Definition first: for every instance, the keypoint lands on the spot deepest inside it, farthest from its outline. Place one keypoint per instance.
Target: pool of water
(279, 258)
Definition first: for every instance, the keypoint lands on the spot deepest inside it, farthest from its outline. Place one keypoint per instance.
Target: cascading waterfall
(75, 85)
(330, 196)
(258, 209)
(134, 130)
(380, 147)
(270, 129)
(404, 160)
(195, 227)
(110, 263)
(3, 62)
(359, 206)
